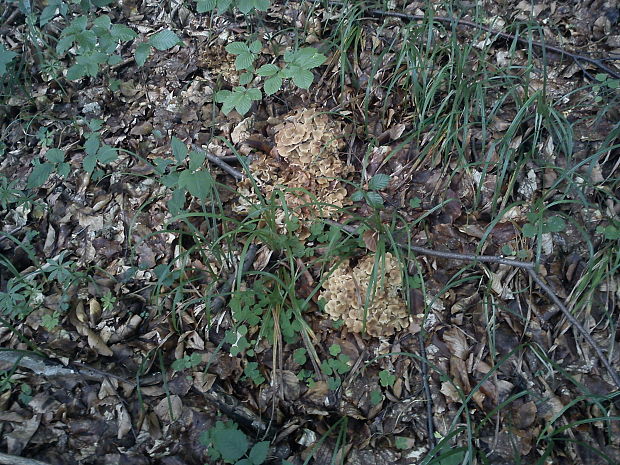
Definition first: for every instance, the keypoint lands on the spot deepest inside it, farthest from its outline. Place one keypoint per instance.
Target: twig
(222, 164)
(17, 460)
(569, 316)
(530, 267)
(599, 63)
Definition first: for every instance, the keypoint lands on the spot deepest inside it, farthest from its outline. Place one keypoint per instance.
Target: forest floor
(299, 232)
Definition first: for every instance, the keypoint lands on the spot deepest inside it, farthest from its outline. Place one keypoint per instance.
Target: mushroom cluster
(345, 294)
(304, 166)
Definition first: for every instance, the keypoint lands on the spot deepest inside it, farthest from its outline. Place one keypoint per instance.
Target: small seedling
(225, 441)
(189, 361)
(371, 194)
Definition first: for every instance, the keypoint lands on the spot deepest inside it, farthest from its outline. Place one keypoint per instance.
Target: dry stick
(530, 267)
(463, 22)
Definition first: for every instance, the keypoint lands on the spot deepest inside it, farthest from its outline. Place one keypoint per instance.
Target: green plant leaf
(267, 70)
(106, 154)
(237, 48)
(378, 182)
(55, 155)
(357, 196)
(142, 52)
(164, 40)
(122, 32)
(6, 56)
(308, 58)
(272, 85)
(334, 349)
(199, 184)
(256, 46)
(202, 6)
(179, 149)
(177, 201)
(529, 230)
(232, 444)
(374, 199)
(254, 94)
(259, 452)
(302, 78)
(555, 224)
(245, 78)
(244, 61)
(39, 175)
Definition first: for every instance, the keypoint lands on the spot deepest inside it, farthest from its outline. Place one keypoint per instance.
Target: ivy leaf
(164, 40)
(378, 182)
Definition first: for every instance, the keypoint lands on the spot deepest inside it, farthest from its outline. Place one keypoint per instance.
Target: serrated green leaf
(259, 452)
(39, 175)
(267, 70)
(379, 181)
(237, 48)
(243, 104)
(122, 32)
(254, 94)
(374, 199)
(272, 85)
(92, 144)
(179, 149)
(164, 40)
(357, 196)
(75, 72)
(142, 52)
(222, 96)
(308, 58)
(244, 60)
(231, 443)
(223, 5)
(55, 155)
(256, 46)
(303, 78)
(89, 163)
(245, 78)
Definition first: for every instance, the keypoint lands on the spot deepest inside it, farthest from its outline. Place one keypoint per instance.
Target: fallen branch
(530, 267)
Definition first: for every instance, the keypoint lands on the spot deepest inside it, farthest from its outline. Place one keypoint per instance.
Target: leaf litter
(150, 368)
